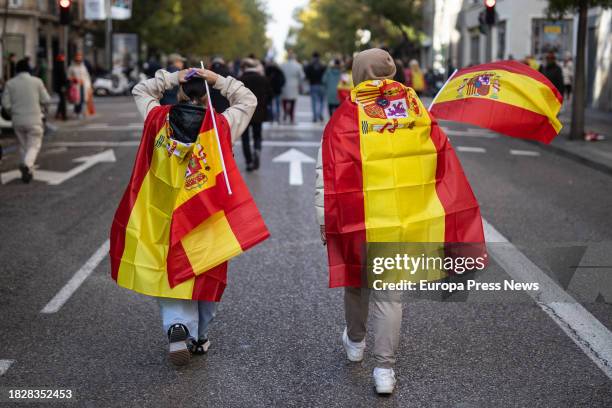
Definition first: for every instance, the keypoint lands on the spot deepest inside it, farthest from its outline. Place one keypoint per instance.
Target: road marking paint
(463, 133)
(131, 143)
(295, 158)
(106, 126)
(531, 153)
(579, 324)
(470, 149)
(5, 365)
(77, 279)
(121, 143)
(55, 178)
(297, 126)
(128, 114)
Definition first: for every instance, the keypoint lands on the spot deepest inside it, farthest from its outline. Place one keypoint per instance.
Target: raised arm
(242, 104)
(148, 93)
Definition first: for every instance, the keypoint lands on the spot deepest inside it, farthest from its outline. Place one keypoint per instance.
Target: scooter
(117, 83)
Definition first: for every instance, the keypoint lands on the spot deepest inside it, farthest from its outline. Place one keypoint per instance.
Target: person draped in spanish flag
(386, 173)
(186, 210)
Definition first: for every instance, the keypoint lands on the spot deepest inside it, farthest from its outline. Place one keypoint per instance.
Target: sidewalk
(597, 155)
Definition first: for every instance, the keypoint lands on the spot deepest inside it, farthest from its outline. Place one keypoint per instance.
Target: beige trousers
(386, 320)
(30, 141)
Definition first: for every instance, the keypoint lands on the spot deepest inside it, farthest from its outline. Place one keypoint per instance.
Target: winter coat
(330, 82)
(276, 78)
(554, 75)
(23, 97)
(260, 86)
(294, 75)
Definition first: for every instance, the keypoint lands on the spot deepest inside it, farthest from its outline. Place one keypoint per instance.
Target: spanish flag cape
(506, 96)
(177, 224)
(390, 175)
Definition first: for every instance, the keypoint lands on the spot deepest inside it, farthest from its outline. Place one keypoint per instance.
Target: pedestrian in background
(218, 66)
(261, 88)
(415, 78)
(568, 75)
(552, 71)
(330, 80)
(184, 321)
(294, 75)
(175, 63)
(314, 72)
(78, 74)
(277, 81)
(10, 66)
(346, 81)
(24, 98)
(60, 85)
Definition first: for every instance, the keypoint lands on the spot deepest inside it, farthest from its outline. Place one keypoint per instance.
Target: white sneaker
(384, 379)
(354, 351)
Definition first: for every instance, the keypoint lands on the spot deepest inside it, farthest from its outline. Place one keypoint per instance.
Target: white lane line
(106, 126)
(79, 277)
(579, 324)
(470, 149)
(531, 153)
(96, 144)
(5, 365)
(130, 143)
(462, 133)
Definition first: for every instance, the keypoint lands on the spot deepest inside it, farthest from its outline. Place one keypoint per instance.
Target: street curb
(573, 156)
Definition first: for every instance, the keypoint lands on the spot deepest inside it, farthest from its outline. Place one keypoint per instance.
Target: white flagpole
(212, 112)
(447, 81)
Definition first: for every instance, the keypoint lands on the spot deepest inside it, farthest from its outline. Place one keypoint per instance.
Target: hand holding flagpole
(212, 112)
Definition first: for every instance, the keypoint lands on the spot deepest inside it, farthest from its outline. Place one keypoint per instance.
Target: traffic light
(64, 11)
(490, 12)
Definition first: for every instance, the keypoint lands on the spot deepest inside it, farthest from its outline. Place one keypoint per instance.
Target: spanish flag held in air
(178, 223)
(507, 97)
(390, 175)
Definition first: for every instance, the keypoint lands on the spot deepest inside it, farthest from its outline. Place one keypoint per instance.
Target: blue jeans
(195, 315)
(276, 112)
(317, 97)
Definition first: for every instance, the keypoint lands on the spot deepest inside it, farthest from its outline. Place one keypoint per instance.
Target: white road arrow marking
(58, 177)
(4, 366)
(295, 158)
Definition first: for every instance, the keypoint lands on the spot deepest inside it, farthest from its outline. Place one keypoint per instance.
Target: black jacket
(276, 77)
(260, 86)
(220, 103)
(60, 79)
(554, 74)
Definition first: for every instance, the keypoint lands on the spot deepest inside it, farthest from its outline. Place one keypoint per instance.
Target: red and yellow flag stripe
(176, 225)
(507, 97)
(390, 180)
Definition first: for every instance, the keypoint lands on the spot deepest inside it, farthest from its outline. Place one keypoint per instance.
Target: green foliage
(200, 27)
(558, 8)
(330, 26)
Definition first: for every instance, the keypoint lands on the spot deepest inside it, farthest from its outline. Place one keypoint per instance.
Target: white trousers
(30, 141)
(193, 314)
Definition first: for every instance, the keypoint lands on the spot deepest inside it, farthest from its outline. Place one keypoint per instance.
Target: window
(551, 36)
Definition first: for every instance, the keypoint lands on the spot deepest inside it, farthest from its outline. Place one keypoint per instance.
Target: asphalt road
(276, 339)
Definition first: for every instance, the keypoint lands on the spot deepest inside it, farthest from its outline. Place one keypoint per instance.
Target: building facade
(31, 28)
(453, 36)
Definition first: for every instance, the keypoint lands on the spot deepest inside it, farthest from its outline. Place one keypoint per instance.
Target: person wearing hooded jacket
(184, 321)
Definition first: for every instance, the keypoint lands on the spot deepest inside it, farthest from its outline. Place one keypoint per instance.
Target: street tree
(231, 28)
(557, 9)
(330, 26)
